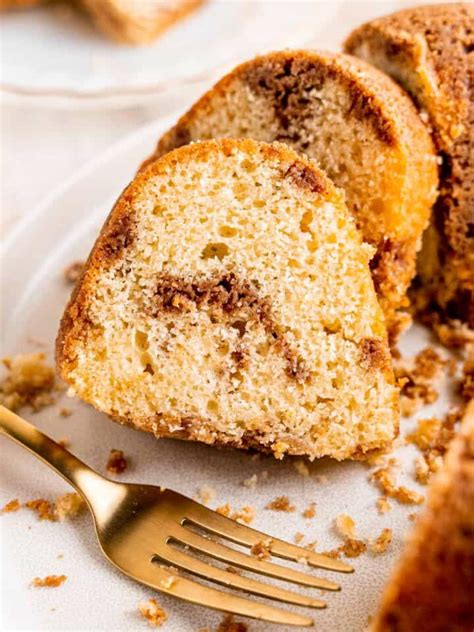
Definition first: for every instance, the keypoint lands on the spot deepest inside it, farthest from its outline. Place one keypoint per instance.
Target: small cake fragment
(50, 581)
(29, 382)
(116, 463)
(152, 612)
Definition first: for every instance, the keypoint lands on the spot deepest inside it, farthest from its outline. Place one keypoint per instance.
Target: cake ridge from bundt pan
(361, 128)
(432, 586)
(429, 50)
(228, 299)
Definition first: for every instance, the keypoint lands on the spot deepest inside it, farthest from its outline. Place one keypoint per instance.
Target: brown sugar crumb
(117, 463)
(422, 470)
(381, 544)
(73, 272)
(65, 412)
(50, 581)
(353, 547)
(426, 433)
(262, 549)
(385, 480)
(245, 515)
(310, 511)
(44, 508)
(417, 378)
(298, 537)
(228, 624)
(11, 506)
(383, 505)
(334, 553)
(152, 612)
(281, 503)
(345, 526)
(29, 382)
(69, 506)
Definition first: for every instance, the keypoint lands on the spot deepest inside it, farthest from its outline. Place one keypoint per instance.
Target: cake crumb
(44, 508)
(385, 480)
(29, 382)
(301, 467)
(245, 515)
(262, 549)
(116, 463)
(310, 511)
(11, 506)
(228, 624)
(322, 479)
(418, 377)
(345, 526)
(152, 612)
(281, 503)
(467, 380)
(206, 494)
(454, 335)
(298, 537)
(381, 544)
(64, 442)
(73, 272)
(69, 506)
(50, 581)
(425, 434)
(422, 470)
(383, 505)
(168, 582)
(353, 547)
(65, 412)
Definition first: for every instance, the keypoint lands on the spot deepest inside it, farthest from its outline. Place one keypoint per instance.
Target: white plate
(96, 596)
(53, 56)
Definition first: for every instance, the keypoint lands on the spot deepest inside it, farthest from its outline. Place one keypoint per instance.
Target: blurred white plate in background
(54, 56)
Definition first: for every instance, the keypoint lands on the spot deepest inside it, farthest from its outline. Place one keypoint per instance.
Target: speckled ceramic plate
(96, 596)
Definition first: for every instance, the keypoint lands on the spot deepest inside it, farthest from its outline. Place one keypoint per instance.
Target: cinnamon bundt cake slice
(137, 21)
(358, 124)
(228, 299)
(433, 586)
(429, 50)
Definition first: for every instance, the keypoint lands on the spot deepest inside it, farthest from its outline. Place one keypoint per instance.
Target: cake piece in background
(433, 585)
(138, 21)
(228, 299)
(429, 50)
(362, 129)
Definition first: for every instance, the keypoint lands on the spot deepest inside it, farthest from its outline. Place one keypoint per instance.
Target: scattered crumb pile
(432, 437)
(245, 515)
(384, 478)
(73, 272)
(262, 549)
(352, 546)
(454, 335)
(152, 612)
(117, 463)
(281, 503)
(50, 581)
(29, 382)
(418, 377)
(65, 507)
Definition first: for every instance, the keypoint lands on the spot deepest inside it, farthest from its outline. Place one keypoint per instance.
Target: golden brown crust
(286, 80)
(432, 587)
(429, 50)
(129, 23)
(118, 231)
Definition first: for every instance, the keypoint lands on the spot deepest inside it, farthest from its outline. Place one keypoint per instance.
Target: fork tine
(212, 573)
(163, 580)
(231, 556)
(229, 529)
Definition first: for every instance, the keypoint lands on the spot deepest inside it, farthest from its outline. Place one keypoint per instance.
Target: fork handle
(73, 470)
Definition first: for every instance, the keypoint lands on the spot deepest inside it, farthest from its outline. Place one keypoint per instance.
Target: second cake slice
(229, 300)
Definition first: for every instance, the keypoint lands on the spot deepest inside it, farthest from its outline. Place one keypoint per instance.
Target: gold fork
(147, 532)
